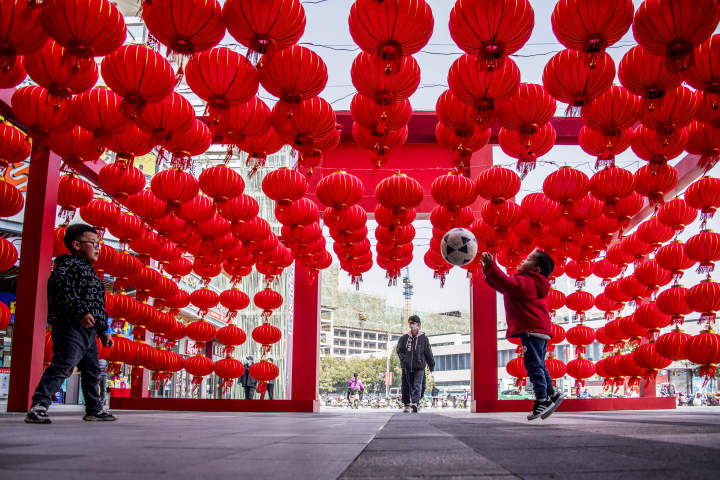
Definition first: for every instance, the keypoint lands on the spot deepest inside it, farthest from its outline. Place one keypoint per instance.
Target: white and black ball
(459, 246)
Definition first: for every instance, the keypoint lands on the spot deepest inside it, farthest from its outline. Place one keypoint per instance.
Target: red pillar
(306, 339)
(483, 344)
(35, 263)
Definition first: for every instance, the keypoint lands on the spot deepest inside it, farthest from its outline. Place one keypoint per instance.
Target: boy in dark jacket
(414, 351)
(529, 319)
(76, 311)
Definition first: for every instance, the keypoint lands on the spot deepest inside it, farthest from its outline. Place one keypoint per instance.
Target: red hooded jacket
(524, 295)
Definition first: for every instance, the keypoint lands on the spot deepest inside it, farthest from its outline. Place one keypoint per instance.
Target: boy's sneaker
(539, 407)
(556, 401)
(101, 416)
(414, 407)
(37, 414)
(406, 409)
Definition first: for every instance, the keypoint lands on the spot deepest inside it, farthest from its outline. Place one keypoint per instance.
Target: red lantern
(185, 26)
(611, 184)
(672, 257)
(675, 41)
(164, 119)
(580, 335)
(21, 32)
(14, 145)
(399, 192)
(590, 27)
(704, 298)
(120, 181)
(234, 300)
(265, 27)
(704, 350)
(380, 118)
(580, 302)
(40, 112)
(228, 369)
(284, 185)
(647, 145)
(704, 195)
(676, 214)
(673, 302)
(566, 185)
(339, 190)
(654, 232)
(462, 146)
(674, 111)
(516, 368)
(240, 209)
(87, 28)
(264, 371)
(11, 200)
(231, 336)
(704, 140)
(267, 300)
(555, 300)
(540, 210)
(221, 77)
(130, 143)
(492, 30)
(380, 146)
(673, 345)
(175, 187)
(59, 72)
(204, 299)
(8, 255)
(527, 110)
(613, 112)
(301, 212)
(199, 367)
(498, 184)
(704, 248)
(647, 357)
(139, 75)
(570, 81)
(646, 75)
(12, 72)
(654, 181)
(99, 111)
(527, 148)
(580, 369)
(266, 334)
(200, 331)
(221, 183)
(100, 213)
(294, 74)
(304, 123)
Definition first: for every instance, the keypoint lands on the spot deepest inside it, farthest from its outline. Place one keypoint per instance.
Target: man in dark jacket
(249, 383)
(414, 351)
(76, 311)
(528, 318)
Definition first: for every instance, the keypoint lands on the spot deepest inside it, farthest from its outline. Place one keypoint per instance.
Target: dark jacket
(524, 295)
(415, 352)
(74, 290)
(246, 380)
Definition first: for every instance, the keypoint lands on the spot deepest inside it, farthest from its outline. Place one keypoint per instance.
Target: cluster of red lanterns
(385, 73)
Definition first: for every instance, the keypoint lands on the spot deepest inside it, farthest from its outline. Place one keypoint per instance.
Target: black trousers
(73, 346)
(249, 393)
(413, 386)
(534, 350)
(270, 388)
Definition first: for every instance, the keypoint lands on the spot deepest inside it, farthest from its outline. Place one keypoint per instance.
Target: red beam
(212, 405)
(579, 405)
(305, 340)
(421, 128)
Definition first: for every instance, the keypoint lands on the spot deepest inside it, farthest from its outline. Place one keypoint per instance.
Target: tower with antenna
(407, 293)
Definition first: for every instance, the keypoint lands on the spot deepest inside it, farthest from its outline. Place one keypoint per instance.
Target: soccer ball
(459, 246)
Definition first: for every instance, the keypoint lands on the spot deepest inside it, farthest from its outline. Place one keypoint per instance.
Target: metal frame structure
(421, 157)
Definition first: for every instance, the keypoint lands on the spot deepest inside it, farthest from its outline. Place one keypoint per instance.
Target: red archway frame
(421, 158)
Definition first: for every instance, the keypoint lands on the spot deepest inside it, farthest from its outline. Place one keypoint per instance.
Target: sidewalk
(364, 444)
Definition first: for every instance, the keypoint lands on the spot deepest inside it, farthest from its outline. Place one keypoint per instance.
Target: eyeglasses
(95, 245)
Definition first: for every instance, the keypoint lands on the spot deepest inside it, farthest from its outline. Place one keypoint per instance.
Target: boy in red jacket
(528, 318)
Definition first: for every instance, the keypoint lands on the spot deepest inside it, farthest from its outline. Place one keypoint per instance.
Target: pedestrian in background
(415, 353)
(249, 383)
(76, 312)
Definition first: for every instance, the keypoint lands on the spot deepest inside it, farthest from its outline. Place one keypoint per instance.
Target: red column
(140, 379)
(483, 344)
(306, 338)
(35, 262)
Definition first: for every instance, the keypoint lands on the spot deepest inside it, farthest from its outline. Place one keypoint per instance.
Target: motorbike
(354, 399)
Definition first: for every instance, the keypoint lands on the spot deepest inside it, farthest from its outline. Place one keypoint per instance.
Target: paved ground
(364, 444)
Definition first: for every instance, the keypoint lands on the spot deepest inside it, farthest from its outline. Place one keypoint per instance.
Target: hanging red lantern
(265, 27)
(339, 190)
(59, 72)
(463, 147)
(293, 74)
(603, 147)
(472, 83)
(385, 87)
(266, 335)
(146, 205)
(234, 300)
(675, 41)
(589, 27)
(704, 195)
(516, 368)
(567, 78)
(120, 181)
(654, 181)
(14, 145)
(184, 26)
(453, 191)
(647, 357)
(231, 336)
(131, 143)
(40, 112)
(672, 257)
(21, 32)
(76, 146)
(646, 75)
(240, 209)
(284, 185)
(380, 118)
(462, 119)
(674, 111)
(228, 369)
(11, 200)
(501, 216)
(673, 302)
(221, 183)
(162, 120)
(704, 298)
(264, 371)
(175, 187)
(612, 112)
(657, 151)
(580, 336)
(704, 350)
(527, 110)
(676, 214)
(540, 210)
(204, 299)
(566, 185)
(527, 148)
(99, 111)
(580, 302)
(635, 246)
(302, 124)
(654, 232)
(301, 212)
(12, 71)
(391, 31)
(673, 345)
(138, 74)
(399, 192)
(704, 247)
(492, 30)
(127, 227)
(267, 300)
(611, 184)
(651, 274)
(606, 270)
(8, 255)
(498, 184)
(380, 146)
(100, 213)
(198, 366)
(605, 304)
(87, 28)
(580, 369)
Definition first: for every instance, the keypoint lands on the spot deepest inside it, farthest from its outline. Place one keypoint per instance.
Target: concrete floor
(337, 443)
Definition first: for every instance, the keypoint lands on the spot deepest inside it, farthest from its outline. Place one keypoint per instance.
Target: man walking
(414, 351)
(76, 311)
(248, 383)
